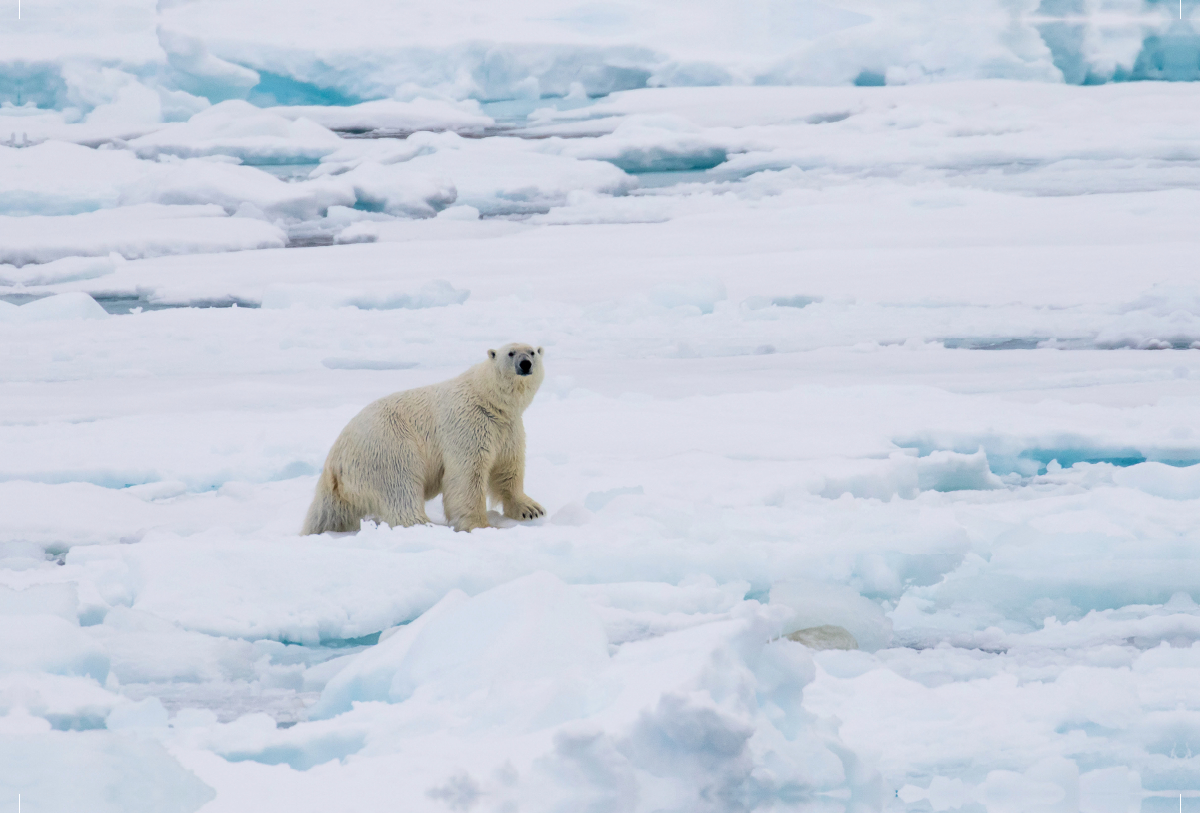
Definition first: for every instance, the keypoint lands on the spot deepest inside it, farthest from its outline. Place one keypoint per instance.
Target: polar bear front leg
(464, 497)
(508, 486)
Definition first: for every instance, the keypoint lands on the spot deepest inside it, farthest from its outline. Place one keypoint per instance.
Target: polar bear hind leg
(330, 511)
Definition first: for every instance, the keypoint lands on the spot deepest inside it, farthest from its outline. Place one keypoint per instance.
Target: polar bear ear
(539, 351)
(491, 354)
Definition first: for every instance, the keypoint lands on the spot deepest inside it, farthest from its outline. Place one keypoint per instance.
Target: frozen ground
(921, 362)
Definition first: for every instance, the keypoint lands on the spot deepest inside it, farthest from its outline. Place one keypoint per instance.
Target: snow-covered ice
(868, 440)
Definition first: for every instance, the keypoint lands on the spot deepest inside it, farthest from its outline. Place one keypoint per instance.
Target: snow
(867, 440)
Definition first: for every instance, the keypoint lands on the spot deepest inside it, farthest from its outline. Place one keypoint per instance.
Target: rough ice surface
(868, 441)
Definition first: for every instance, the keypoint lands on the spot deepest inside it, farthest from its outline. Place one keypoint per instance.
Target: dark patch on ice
(121, 304)
(311, 240)
(828, 118)
(366, 364)
(21, 299)
(870, 79)
(343, 643)
(794, 301)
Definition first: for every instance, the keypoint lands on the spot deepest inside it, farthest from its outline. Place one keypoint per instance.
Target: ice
(867, 442)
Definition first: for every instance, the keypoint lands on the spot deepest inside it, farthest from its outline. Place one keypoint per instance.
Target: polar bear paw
(524, 508)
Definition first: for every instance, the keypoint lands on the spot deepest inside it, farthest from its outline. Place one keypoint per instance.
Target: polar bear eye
(511, 353)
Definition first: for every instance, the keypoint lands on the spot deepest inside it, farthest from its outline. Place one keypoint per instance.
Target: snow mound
(534, 631)
(57, 178)
(238, 129)
(662, 143)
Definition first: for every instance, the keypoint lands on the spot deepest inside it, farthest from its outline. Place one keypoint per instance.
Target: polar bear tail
(329, 512)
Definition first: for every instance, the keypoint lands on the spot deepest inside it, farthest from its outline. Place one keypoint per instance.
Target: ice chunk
(369, 676)
(817, 604)
(41, 599)
(66, 702)
(399, 190)
(951, 471)
(57, 178)
(1161, 480)
(68, 269)
(148, 713)
(73, 305)
(99, 771)
(534, 630)
(237, 189)
(48, 643)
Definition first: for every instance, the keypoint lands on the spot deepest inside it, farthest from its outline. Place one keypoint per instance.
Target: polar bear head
(520, 365)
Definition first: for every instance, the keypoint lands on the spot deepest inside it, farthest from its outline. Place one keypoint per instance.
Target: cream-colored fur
(463, 439)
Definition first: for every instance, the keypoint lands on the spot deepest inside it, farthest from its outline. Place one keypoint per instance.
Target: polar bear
(463, 439)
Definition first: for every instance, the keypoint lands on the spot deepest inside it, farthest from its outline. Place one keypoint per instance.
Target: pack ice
(868, 438)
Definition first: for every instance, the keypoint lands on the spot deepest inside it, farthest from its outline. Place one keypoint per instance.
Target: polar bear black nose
(525, 366)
